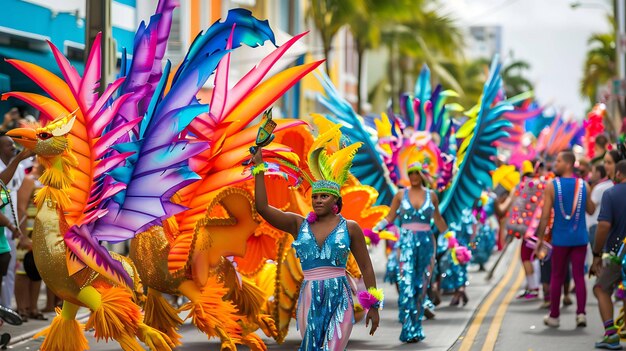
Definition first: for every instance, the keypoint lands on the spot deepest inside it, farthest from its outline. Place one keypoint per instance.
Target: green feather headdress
(329, 161)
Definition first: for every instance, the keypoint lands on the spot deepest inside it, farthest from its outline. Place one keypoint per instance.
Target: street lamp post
(99, 21)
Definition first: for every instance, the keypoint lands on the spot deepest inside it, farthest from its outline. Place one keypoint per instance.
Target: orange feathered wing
(220, 166)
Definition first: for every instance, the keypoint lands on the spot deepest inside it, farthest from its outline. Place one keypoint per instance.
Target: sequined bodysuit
(412, 264)
(325, 313)
(453, 275)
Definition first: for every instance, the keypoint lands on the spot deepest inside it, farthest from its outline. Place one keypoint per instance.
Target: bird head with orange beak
(48, 141)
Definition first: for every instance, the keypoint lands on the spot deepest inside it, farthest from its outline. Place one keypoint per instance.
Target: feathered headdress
(421, 155)
(329, 158)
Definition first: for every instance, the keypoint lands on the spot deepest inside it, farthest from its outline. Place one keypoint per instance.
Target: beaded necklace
(576, 203)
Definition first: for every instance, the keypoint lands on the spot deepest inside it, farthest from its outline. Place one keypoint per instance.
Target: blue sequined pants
(416, 254)
(483, 245)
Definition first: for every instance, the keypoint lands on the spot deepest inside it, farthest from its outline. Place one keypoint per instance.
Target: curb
(81, 317)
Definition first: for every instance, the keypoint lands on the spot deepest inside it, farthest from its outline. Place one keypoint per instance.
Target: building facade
(26, 25)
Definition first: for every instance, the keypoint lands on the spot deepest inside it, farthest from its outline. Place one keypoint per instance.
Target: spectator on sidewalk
(584, 169)
(602, 182)
(27, 280)
(599, 149)
(568, 197)
(12, 175)
(611, 158)
(609, 236)
(6, 226)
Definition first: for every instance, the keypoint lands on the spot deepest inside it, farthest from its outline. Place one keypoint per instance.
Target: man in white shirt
(601, 182)
(8, 156)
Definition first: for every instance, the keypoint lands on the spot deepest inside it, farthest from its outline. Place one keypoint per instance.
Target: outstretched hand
(372, 315)
(596, 267)
(538, 248)
(257, 158)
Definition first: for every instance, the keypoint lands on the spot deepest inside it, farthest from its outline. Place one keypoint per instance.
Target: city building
(483, 41)
(27, 25)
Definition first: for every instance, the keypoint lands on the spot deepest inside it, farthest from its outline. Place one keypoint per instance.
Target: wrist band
(256, 169)
(384, 223)
(372, 298)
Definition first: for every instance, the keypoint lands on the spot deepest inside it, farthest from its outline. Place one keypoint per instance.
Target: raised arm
(285, 221)
(7, 174)
(393, 212)
(359, 250)
(439, 221)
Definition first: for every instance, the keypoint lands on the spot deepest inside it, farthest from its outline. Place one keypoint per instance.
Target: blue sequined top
(409, 214)
(333, 253)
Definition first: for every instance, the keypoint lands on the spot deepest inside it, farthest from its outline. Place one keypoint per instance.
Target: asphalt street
(492, 320)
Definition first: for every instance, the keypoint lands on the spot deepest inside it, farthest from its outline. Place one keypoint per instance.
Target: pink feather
(463, 254)
(373, 236)
(366, 299)
(255, 75)
(220, 92)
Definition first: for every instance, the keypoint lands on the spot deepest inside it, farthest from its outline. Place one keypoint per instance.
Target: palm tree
(329, 16)
(366, 28)
(513, 77)
(599, 65)
(426, 37)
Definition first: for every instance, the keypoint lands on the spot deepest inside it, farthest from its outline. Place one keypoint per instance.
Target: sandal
(39, 316)
(24, 317)
(5, 339)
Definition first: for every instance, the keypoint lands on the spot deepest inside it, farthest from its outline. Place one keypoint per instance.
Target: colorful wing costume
(477, 150)
(190, 249)
(122, 167)
(75, 146)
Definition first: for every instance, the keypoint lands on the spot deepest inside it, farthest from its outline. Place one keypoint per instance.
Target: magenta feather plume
(620, 293)
(463, 254)
(373, 236)
(366, 299)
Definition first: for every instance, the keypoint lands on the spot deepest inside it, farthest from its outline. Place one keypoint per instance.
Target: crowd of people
(581, 229)
(440, 211)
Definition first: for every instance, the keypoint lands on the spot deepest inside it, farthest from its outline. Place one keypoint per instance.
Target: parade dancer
(566, 195)
(529, 199)
(454, 271)
(323, 242)
(485, 240)
(415, 206)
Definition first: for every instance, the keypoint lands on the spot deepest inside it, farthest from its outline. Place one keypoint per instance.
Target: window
(15, 40)
(175, 41)
(74, 53)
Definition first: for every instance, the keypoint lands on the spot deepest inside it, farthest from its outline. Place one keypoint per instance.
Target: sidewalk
(26, 330)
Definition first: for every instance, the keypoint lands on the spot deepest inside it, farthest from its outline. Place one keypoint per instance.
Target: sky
(548, 34)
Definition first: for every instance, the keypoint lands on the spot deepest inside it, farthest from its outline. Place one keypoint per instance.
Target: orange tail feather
(63, 335)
